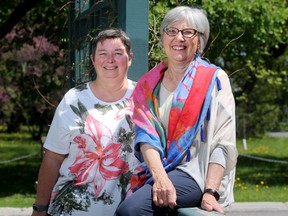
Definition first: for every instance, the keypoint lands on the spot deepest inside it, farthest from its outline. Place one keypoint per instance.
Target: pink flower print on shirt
(94, 163)
(128, 110)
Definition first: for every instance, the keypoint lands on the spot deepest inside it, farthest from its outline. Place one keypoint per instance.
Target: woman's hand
(164, 193)
(213, 180)
(209, 203)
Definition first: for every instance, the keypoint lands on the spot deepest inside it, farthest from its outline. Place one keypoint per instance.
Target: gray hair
(195, 17)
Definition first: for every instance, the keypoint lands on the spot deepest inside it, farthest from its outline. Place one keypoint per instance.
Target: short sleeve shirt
(97, 138)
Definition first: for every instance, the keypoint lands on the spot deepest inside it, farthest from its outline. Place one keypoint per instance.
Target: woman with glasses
(184, 120)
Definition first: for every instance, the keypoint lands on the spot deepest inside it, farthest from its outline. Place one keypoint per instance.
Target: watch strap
(213, 192)
(40, 208)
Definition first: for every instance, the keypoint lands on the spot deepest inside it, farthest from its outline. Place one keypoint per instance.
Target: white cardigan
(220, 135)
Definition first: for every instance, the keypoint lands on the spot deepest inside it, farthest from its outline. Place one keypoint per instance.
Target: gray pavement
(7, 211)
(279, 134)
(236, 209)
(257, 209)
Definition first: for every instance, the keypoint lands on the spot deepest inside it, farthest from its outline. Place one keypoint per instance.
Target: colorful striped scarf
(190, 106)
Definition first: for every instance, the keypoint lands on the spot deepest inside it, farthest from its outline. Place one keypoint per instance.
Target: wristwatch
(213, 192)
(40, 208)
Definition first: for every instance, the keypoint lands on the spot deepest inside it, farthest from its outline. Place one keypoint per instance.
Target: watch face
(35, 207)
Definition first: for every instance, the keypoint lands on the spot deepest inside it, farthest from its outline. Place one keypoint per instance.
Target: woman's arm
(223, 135)
(47, 177)
(164, 193)
(213, 181)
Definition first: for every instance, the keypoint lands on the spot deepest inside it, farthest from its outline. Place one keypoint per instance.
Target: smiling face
(111, 59)
(179, 49)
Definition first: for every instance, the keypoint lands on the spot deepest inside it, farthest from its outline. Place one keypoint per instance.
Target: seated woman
(184, 120)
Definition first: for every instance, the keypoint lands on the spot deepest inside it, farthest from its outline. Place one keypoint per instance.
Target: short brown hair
(111, 33)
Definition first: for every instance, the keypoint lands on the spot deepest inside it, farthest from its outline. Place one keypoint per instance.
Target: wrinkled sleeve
(224, 131)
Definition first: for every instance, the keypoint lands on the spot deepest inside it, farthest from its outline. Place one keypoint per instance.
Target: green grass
(258, 180)
(255, 180)
(18, 177)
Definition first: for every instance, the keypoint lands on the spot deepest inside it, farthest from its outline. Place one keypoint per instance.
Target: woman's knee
(125, 210)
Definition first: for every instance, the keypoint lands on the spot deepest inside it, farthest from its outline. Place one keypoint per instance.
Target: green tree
(34, 66)
(251, 44)
(248, 40)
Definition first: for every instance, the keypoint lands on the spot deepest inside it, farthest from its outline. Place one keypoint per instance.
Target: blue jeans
(141, 203)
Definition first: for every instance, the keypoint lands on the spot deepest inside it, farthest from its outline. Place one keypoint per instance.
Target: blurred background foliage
(248, 40)
(33, 63)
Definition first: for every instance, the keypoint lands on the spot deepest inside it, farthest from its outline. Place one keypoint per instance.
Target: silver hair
(195, 17)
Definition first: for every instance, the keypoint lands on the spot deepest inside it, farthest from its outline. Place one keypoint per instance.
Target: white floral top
(98, 140)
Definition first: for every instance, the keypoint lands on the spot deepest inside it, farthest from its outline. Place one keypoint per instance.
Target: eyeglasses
(187, 33)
